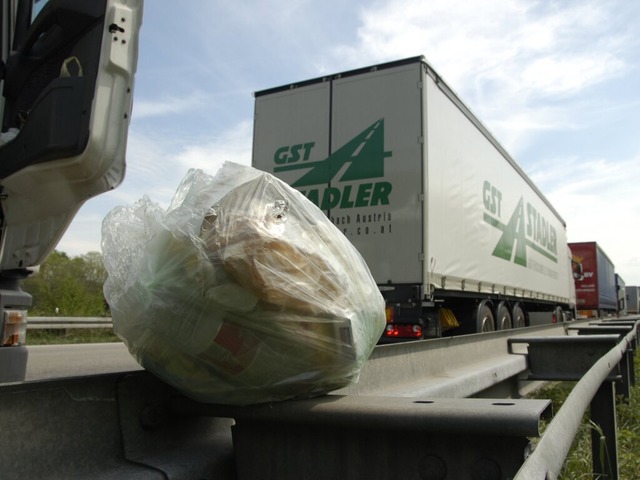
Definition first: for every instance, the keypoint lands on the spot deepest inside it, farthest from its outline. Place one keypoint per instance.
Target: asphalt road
(56, 361)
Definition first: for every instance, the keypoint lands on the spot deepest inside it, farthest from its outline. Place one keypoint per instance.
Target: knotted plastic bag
(241, 292)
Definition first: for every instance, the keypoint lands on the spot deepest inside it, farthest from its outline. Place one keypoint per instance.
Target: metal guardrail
(409, 416)
(358, 436)
(600, 357)
(64, 323)
(452, 367)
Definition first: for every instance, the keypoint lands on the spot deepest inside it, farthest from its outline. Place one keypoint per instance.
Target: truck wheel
(517, 316)
(484, 319)
(504, 316)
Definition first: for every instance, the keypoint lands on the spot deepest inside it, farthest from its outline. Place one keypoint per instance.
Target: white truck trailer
(458, 238)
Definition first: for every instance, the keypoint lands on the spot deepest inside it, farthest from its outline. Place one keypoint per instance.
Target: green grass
(75, 335)
(578, 464)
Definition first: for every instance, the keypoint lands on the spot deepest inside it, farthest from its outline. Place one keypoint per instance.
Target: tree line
(68, 286)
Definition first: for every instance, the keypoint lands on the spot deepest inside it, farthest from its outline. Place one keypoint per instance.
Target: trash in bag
(241, 292)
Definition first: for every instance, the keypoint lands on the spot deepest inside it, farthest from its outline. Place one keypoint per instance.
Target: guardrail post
(604, 435)
(632, 368)
(626, 369)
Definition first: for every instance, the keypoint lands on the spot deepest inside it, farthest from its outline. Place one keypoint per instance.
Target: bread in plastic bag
(241, 292)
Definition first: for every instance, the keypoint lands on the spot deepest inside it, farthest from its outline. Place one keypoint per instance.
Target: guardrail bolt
(486, 469)
(432, 467)
(151, 416)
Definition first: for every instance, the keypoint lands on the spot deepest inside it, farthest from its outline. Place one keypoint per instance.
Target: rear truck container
(633, 299)
(457, 237)
(594, 274)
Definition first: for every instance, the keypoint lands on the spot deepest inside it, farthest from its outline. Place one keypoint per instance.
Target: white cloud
(233, 144)
(598, 200)
(155, 166)
(511, 61)
(169, 105)
(464, 40)
(560, 74)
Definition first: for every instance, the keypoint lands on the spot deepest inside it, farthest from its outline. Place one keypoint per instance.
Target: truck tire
(485, 321)
(503, 317)
(518, 317)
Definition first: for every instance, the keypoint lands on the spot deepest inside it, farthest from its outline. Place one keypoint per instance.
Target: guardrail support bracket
(359, 437)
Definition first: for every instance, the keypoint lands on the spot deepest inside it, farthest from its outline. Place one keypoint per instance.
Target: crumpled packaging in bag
(241, 292)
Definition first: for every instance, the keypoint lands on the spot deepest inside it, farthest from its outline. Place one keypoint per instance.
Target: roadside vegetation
(69, 287)
(76, 335)
(578, 464)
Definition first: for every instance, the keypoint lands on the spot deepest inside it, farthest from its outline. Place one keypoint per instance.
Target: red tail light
(400, 330)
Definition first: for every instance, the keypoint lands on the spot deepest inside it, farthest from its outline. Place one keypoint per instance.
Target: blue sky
(557, 82)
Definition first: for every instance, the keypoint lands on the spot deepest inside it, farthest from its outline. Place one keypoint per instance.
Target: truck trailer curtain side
(438, 209)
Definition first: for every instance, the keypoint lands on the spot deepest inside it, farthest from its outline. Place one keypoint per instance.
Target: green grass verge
(75, 335)
(578, 464)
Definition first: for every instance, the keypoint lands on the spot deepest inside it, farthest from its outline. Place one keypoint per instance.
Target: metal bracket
(356, 437)
(566, 357)
(621, 328)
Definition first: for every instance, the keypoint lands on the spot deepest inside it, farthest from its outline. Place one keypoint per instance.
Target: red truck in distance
(594, 275)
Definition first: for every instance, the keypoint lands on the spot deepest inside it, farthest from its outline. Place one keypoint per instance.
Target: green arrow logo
(363, 155)
(513, 242)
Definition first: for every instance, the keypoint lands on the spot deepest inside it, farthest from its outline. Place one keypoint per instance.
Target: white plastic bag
(241, 292)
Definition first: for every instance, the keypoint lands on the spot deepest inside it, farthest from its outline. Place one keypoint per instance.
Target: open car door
(68, 74)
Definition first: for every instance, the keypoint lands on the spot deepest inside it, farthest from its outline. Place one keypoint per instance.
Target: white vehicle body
(422, 189)
(69, 124)
(67, 89)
